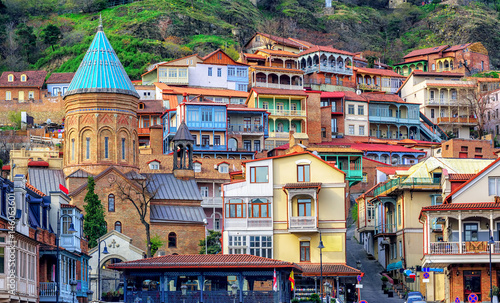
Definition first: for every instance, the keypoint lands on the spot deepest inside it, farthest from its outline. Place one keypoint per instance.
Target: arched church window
(111, 203)
(118, 226)
(172, 240)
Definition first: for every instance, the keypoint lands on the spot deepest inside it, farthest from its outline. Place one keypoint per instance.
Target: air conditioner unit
(161, 253)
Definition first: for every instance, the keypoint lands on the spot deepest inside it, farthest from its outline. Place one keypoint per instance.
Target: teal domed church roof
(101, 71)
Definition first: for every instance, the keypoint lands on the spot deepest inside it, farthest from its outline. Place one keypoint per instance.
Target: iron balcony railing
(245, 128)
(405, 182)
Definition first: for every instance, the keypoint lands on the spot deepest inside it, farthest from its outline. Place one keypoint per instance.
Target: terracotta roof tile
(319, 48)
(204, 261)
(329, 269)
(6, 167)
(276, 91)
(33, 79)
(281, 40)
(458, 47)
(462, 206)
(426, 51)
(37, 191)
(332, 94)
(460, 177)
(195, 91)
(379, 71)
(382, 97)
(60, 78)
(151, 106)
(38, 164)
(384, 147)
(437, 74)
(305, 43)
(254, 56)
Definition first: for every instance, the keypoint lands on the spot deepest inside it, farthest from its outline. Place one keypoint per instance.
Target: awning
(395, 266)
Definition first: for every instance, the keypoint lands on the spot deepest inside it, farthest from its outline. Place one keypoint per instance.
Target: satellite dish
(358, 92)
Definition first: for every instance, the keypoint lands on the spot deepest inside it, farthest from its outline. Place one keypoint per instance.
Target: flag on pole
(275, 281)
(292, 280)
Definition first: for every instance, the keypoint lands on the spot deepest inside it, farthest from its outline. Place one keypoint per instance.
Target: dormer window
(141, 105)
(155, 165)
(223, 167)
(23, 78)
(197, 167)
(10, 78)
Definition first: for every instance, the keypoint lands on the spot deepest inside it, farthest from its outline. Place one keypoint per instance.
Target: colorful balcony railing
(404, 183)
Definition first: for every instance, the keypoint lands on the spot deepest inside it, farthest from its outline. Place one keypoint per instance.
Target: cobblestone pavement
(372, 285)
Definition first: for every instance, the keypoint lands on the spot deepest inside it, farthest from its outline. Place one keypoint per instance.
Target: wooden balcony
(456, 120)
(142, 131)
(287, 112)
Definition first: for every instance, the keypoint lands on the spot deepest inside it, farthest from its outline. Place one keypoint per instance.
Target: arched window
(11, 78)
(111, 203)
(118, 226)
(172, 240)
(23, 78)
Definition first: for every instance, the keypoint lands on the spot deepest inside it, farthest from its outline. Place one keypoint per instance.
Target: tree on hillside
(213, 241)
(94, 225)
(139, 192)
(26, 40)
(51, 35)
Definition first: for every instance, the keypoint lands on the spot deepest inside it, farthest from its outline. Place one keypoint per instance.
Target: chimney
(291, 139)
(184, 95)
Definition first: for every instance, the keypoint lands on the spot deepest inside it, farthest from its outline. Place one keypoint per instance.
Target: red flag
(63, 189)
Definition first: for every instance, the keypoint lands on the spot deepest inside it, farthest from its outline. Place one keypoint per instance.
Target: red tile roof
(379, 71)
(281, 147)
(37, 191)
(329, 269)
(254, 56)
(280, 40)
(460, 177)
(303, 184)
(277, 52)
(33, 79)
(437, 74)
(462, 206)
(151, 106)
(352, 96)
(332, 94)
(391, 170)
(70, 206)
(38, 163)
(383, 97)
(305, 43)
(204, 261)
(160, 161)
(276, 91)
(450, 84)
(426, 51)
(458, 47)
(195, 91)
(375, 161)
(384, 147)
(60, 78)
(319, 48)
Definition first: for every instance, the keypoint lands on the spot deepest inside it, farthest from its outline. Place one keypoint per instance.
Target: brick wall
(314, 117)
(457, 148)
(370, 168)
(326, 123)
(188, 237)
(457, 281)
(41, 109)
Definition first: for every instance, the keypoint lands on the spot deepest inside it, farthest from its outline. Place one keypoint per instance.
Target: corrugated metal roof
(453, 166)
(167, 187)
(46, 180)
(80, 174)
(101, 71)
(176, 213)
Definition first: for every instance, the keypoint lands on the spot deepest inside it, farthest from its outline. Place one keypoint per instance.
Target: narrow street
(372, 285)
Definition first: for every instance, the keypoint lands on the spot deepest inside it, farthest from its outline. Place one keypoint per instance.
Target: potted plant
(315, 298)
(384, 281)
(495, 291)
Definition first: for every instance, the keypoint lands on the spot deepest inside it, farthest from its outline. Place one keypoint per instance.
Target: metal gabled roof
(46, 180)
(167, 187)
(101, 71)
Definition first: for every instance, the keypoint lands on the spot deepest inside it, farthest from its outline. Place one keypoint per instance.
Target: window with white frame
(154, 165)
(197, 167)
(494, 186)
(350, 109)
(204, 191)
(351, 129)
(223, 168)
(361, 130)
(237, 245)
(261, 246)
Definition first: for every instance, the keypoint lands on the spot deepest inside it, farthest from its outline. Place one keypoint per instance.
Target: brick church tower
(101, 113)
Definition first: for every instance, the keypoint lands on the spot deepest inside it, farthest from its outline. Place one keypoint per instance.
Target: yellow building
(398, 238)
(282, 209)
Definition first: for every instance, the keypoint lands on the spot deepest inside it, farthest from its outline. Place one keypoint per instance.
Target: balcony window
(237, 244)
(279, 107)
(235, 209)
(182, 73)
(303, 174)
(231, 72)
(304, 207)
(350, 109)
(197, 167)
(217, 140)
(66, 220)
(470, 232)
(241, 72)
(265, 105)
(305, 251)
(172, 240)
(259, 208)
(205, 140)
(261, 246)
(206, 115)
(172, 73)
(204, 191)
(279, 127)
(247, 145)
(118, 226)
(259, 174)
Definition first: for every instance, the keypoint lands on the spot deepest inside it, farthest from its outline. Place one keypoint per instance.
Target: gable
(477, 188)
(219, 57)
(285, 169)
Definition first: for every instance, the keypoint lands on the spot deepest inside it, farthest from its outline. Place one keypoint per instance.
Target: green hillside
(150, 31)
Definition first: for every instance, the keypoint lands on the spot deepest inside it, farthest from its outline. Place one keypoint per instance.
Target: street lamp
(234, 289)
(328, 290)
(104, 251)
(184, 292)
(73, 284)
(71, 230)
(321, 246)
(490, 243)
(206, 244)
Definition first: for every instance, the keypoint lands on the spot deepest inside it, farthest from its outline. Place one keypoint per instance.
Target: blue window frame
(210, 72)
(219, 72)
